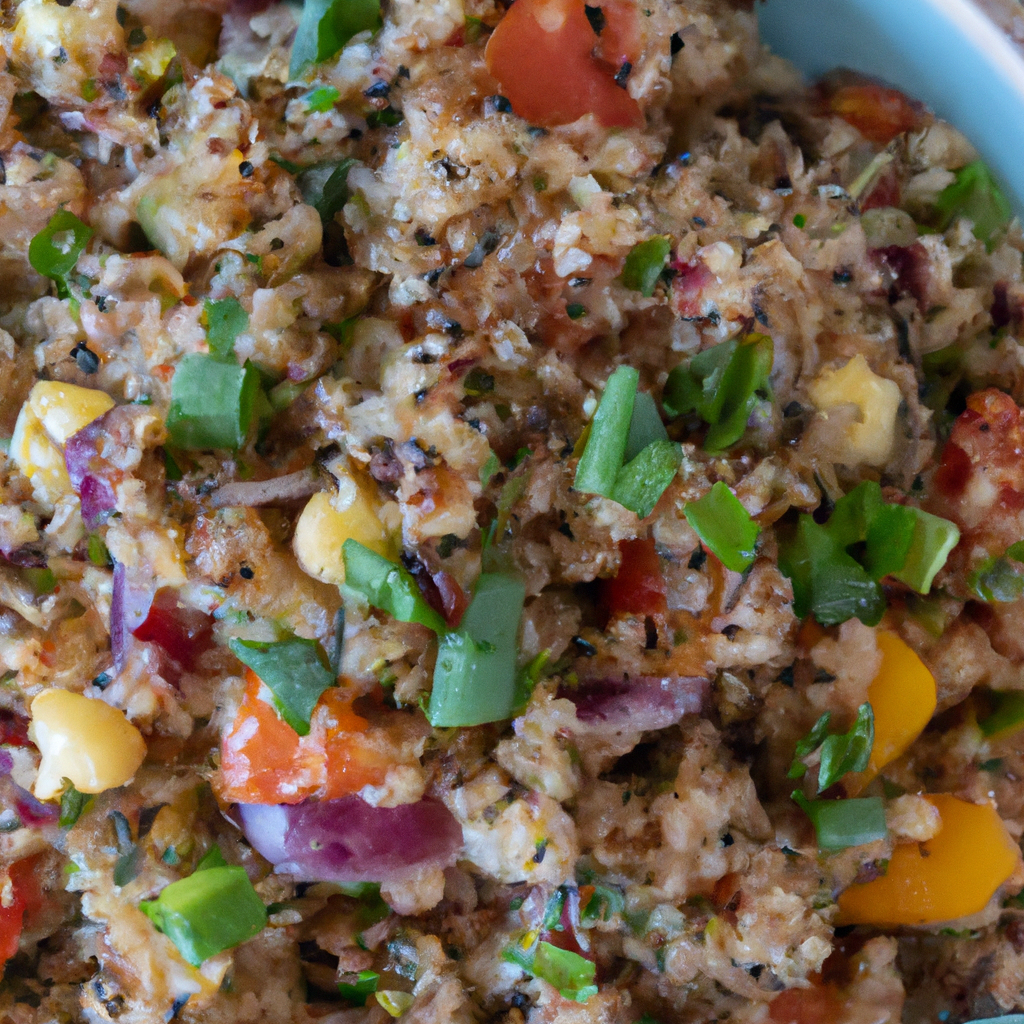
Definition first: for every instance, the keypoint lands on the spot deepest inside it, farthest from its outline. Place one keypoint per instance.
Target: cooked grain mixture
(508, 512)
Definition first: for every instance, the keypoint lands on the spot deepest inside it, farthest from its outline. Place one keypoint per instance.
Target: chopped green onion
(55, 250)
(602, 458)
(641, 482)
(388, 586)
(644, 264)
(357, 992)
(326, 26)
(722, 385)
(334, 194)
(806, 744)
(1007, 714)
(213, 858)
(208, 912)
(212, 403)
(603, 905)
(294, 670)
(226, 319)
(645, 426)
(724, 526)
(96, 549)
(42, 581)
(575, 311)
(478, 382)
(843, 823)
(974, 195)
(553, 910)
(322, 99)
(489, 468)
(933, 540)
(847, 751)
(72, 804)
(570, 973)
(475, 678)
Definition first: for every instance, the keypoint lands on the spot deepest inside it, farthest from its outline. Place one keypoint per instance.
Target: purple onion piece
(638, 703)
(95, 491)
(129, 606)
(349, 841)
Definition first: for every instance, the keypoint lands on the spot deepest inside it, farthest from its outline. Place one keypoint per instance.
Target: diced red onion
(81, 456)
(639, 703)
(349, 841)
(247, 493)
(29, 810)
(129, 608)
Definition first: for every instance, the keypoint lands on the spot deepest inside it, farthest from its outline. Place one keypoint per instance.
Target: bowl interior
(943, 52)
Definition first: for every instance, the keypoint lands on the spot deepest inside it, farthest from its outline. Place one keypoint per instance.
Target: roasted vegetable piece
(950, 876)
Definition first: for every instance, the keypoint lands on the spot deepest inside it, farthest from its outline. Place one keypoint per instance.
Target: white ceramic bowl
(946, 53)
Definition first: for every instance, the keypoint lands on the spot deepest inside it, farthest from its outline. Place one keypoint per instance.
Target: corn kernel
(877, 399)
(328, 520)
(87, 741)
(52, 414)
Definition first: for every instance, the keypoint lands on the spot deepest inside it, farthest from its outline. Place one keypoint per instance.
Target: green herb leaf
(553, 910)
(357, 992)
(208, 912)
(213, 858)
(641, 482)
(1007, 714)
(603, 905)
(609, 430)
(388, 586)
(489, 468)
(55, 250)
(326, 26)
(804, 746)
(644, 264)
(843, 823)
(96, 549)
(226, 319)
(295, 671)
(722, 385)
(847, 751)
(72, 804)
(212, 403)
(645, 426)
(572, 974)
(475, 678)
(322, 99)
(974, 195)
(724, 526)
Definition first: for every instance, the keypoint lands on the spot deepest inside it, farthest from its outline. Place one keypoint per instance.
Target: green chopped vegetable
(295, 671)
(208, 912)
(72, 804)
(644, 264)
(213, 858)
(724, 526)
(575, 311)
(723, 385)
(475, 678)
(358, 991)
(212, 403)
(553, 910)
(226, 319)
(388, 586)
(326, 26)
(997, 580)
(572, 974)
(641, 482)
(1007, 713)
(394, 1001)
(609, 431)
(55, 250)
(847, 751)
(843, 823)
(603, 905)
(489, 468)
(976, 196)
(322, 99)
(335, 193)
(42, 580)
(97, 551)
(645, 426)
(806, 744)
(835, 568)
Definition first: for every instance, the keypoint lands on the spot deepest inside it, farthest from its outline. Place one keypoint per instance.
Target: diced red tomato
(688, 285)
(264, 761)
(639, 587)
(26, 898)
(886, 191)
(820, 1004)
(182, 632)
(554, 68)
(877, 112)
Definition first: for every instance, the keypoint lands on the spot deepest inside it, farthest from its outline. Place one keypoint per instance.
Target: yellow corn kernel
(84, 740)
(328, 520)
(903, 697)
(52, 413)
(953, 875)
(877, 399)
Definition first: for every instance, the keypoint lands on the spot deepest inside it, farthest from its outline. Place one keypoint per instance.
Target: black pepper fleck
(622, 75)
(596, 18)
(246, 573)
(246, 169)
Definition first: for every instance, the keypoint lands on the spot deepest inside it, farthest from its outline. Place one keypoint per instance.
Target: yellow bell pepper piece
(902, 697)
(953, 875)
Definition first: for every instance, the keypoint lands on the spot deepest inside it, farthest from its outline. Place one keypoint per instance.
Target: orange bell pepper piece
(952, 875)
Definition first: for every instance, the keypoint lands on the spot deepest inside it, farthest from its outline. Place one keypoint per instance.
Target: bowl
(946, 53)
